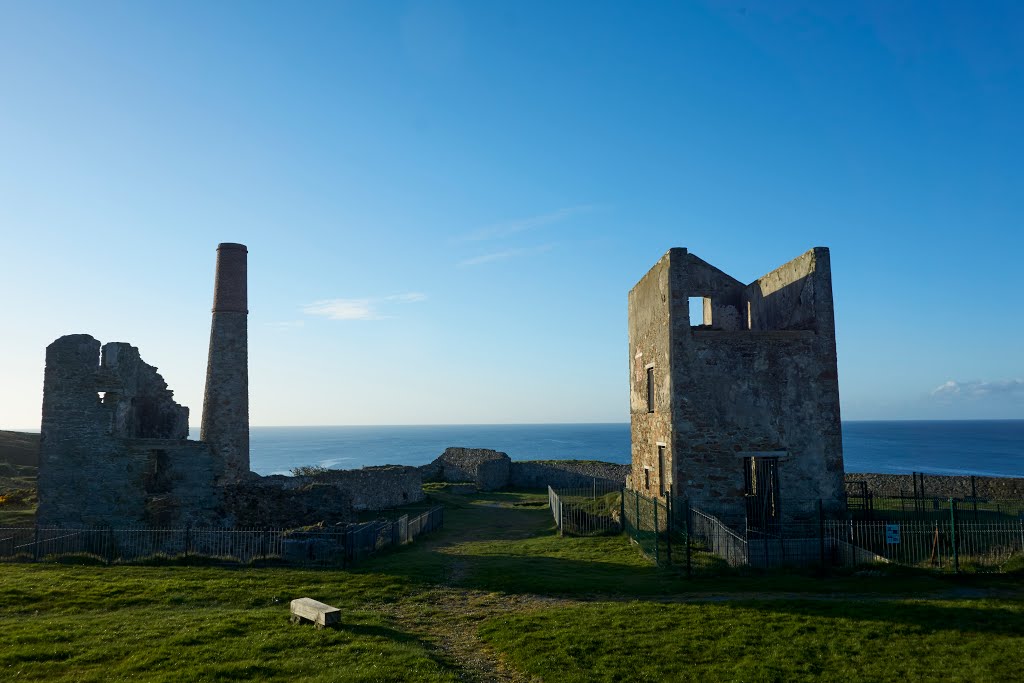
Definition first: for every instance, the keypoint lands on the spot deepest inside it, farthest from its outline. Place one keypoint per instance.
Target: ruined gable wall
(649, 343)
(96, 466)
(722, 293)
(764, 389)
(793, 296)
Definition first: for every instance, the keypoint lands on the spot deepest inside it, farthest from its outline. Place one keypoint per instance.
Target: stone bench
(312, 611)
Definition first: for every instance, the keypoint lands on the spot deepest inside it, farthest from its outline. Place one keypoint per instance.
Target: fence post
(952, 535)
(188, 538)
(561, 519)
(686, 529)
(636, 520)
(657, 555)
(668, 529)
(622, 509)
(821, 531)
(35, 545)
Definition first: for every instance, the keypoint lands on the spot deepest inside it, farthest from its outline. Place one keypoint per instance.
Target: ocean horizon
(951, 447)
(954, 447)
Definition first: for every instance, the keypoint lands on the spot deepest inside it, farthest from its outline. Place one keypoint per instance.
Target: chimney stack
(225, 424)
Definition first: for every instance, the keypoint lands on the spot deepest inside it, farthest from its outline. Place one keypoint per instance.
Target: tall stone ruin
(225, 425)
(114, 445)
(737, 411)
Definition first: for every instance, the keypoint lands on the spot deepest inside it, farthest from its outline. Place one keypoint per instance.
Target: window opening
(647, 478)
(661, 469)
(700, 311)
(650, 389)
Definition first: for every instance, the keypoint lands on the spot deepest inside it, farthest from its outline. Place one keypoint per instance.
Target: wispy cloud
(507, 228)
(407, 298)
(973, 390)
(505, 254)
(360, 309)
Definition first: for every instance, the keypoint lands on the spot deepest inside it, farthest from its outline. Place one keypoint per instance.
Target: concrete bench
(312, 611)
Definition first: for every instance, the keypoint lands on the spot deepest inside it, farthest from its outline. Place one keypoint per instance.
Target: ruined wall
(649, 343)
(538, 474)
(768, 389)
(377, 488)
(270, 502)
(486, 468)
(112, 447)
(756, 375)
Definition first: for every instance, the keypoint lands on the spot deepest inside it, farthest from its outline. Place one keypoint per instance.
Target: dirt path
(449, 620)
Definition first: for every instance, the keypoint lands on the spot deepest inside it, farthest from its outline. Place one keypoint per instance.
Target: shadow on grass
(924, 617)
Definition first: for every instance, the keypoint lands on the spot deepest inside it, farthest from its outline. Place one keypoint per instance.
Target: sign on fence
(892, 534)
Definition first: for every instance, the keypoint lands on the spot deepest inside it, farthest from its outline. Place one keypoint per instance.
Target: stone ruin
(114, 447)
(114, 444)
(737, 411)
(489, 470)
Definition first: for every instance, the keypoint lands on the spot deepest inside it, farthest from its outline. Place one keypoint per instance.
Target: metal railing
(589, 510)
(341, 546)
(675, 534)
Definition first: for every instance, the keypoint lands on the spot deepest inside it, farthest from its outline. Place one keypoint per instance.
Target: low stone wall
(942, 486)
(378, 488)
(534, 474)
(272, 502)
(486, 468)
(370, 488)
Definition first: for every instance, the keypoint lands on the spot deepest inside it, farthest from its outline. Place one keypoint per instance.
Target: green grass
(497, 591)
(778, 640)
(19, 458)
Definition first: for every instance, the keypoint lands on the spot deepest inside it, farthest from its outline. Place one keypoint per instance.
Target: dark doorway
(761, 477)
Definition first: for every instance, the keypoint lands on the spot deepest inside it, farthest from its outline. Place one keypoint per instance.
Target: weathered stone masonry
(114, 447)
(751, 385)
(225, 425)
(113, 443)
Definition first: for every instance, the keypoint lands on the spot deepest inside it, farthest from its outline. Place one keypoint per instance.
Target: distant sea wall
(942, 486)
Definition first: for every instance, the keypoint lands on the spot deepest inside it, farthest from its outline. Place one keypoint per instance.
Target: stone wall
(756, 378)
(942, 486)
(536, 474)
(375, 488)
(113, 448)
(269, 502)
(486, 468)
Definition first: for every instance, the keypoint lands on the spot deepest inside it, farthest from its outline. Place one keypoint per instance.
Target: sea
(980, 447)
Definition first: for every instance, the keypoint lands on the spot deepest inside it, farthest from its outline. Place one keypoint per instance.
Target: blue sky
(446, 203)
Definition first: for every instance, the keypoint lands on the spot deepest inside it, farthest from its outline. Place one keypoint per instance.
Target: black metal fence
(675, 534)
(339, 547)
(588, 510)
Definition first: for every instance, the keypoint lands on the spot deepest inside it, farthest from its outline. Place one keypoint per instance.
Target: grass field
(19, 459)
(496, 596)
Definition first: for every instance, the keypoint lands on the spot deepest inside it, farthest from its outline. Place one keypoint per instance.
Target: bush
(308, 470)
(18, 498)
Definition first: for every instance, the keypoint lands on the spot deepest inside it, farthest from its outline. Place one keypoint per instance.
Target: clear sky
(446, 203)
